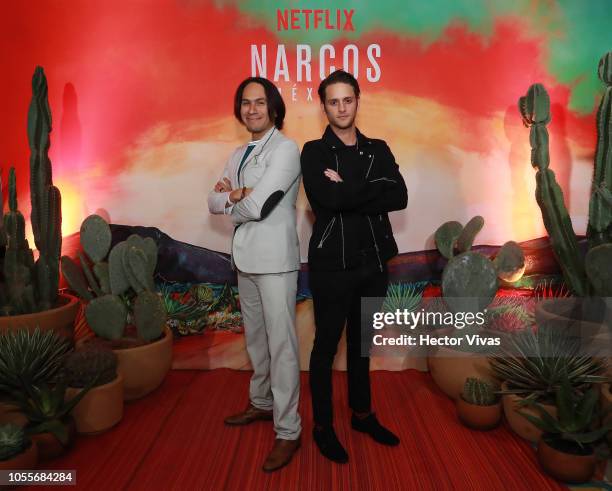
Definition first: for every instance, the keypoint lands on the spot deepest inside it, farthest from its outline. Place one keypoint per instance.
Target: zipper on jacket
(375, 245)
(370, 167)
(341, 221)
(326, 232)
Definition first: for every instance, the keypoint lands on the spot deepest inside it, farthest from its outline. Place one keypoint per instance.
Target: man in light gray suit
(259, 188)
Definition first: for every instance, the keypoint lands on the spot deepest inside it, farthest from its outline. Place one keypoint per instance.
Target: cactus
(590, 274)
(479, 392)
(470, 279)
(46, 199)
(599, 230)
(510, 262)
(120, 288)
(32, 287)
(95, 364)
(535, 111)
(13, 441)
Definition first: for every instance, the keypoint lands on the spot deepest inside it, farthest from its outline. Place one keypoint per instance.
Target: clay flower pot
(60, 319)
(479, 417)
(49, 447)
(520, 425)
(144, 367)
(100, 409)
(565, 466)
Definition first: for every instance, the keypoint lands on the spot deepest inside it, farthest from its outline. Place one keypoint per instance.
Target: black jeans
(337, 299)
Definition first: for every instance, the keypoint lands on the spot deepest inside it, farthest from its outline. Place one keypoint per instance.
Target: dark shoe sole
(244, 423)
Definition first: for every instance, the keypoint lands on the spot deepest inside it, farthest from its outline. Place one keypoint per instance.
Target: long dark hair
(276, 106)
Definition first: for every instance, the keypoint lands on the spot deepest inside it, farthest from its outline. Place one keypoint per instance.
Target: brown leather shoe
(281, 454)
(246, 417)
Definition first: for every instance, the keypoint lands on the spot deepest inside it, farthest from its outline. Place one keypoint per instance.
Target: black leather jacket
(351, 221)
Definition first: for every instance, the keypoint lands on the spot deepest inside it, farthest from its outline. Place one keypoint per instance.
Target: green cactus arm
(93, 284)
(101, 270)
(149, 315)
(469, 232)
(446, 237)
(107, 316)
(75, 278)
(118, 281)
(95, 237)
(560, 231)
(510, 262)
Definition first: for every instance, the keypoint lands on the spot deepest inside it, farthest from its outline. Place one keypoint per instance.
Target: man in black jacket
(351, 182)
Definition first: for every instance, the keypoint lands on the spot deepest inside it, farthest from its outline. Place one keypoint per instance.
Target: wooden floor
(175, 439)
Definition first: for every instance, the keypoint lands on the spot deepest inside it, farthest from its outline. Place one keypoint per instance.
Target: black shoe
(372, 427)
(328, 444)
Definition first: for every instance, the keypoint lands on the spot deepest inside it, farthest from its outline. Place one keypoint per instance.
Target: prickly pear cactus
(469, 232)
(469, 282)
(107, 316)
(446, 238)
(149, 315)
(510, 262)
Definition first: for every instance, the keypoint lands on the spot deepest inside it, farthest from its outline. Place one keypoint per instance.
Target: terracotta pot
(11, 413)
(479, 417)
(144, 367)
(450, 368)
(564, 466)
(518, 423)
(49, 447)
(28, 459)
(100, 409)
(60, 319)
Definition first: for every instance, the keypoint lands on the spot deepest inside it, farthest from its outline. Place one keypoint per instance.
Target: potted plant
(531, 365)
(16, 450)
(122, 305)
(470, 281)
(102, 407)
(48, 412)
(565, 450)
(29, 289)
(479, 407)
(31, 355)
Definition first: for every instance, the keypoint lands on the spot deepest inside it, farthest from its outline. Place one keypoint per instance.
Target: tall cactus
(46, 215)
(18, 258)
(535, 111)
(599, 230)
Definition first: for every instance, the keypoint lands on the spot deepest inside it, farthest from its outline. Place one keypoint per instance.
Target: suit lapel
(260, 145)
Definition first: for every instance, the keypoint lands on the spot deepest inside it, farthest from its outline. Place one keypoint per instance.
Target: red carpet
(175, 439)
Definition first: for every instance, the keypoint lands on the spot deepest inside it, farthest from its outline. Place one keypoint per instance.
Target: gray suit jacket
(265, 239)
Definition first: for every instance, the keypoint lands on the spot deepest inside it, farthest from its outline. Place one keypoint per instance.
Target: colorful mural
(141, 94)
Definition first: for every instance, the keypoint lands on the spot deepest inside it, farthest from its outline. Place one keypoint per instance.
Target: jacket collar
(332, 140)
(261, 144)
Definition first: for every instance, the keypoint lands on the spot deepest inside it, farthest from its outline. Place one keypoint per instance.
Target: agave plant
(576, 413)
(12, 441)
(47, 407)
(36, 356)
(534, 362)
(402, 296)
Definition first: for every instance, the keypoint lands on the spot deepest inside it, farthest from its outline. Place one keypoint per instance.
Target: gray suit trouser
(267, 302)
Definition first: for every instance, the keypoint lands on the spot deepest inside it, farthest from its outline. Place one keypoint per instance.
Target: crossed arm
(256, 203)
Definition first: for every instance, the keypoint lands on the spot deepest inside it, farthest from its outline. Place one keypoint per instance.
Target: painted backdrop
(141, 94)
